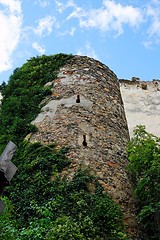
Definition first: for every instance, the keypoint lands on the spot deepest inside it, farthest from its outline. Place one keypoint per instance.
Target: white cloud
(87, 50)
(154, 14)
(45, 26)
(111, 16)
(68, 32)
(147, 44)
(43, 3)
(61, 7)
(72, 31)
(38, 48)
(14, 6)
(11, 21)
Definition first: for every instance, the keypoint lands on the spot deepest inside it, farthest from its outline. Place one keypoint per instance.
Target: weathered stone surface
(142, 104)
(86, 114)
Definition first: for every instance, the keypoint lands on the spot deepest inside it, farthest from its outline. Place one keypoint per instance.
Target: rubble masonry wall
(86, 114)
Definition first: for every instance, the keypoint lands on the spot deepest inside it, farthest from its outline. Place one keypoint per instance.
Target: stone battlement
(136, 83)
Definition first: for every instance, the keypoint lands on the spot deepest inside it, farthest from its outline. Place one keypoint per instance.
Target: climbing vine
(41, 202)
(23, 93)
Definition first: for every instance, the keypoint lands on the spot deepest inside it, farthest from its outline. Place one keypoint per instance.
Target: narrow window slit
(84, 141)
(78, 99)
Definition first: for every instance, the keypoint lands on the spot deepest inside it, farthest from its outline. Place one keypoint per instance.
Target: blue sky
(124, 34)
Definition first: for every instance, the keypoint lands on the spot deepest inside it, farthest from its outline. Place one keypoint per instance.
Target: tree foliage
(144, 158)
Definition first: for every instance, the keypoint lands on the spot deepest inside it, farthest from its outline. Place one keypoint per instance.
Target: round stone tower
(86, 114)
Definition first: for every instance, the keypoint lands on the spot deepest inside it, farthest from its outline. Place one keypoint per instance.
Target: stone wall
(85, 113)
(142, 104)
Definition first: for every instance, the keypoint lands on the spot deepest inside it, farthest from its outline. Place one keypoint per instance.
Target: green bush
(48, 206)
(144, 164)
(8, 229)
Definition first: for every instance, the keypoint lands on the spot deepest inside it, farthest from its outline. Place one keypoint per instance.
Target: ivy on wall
(41, 203)
(23, 94)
